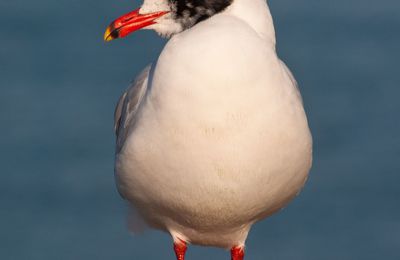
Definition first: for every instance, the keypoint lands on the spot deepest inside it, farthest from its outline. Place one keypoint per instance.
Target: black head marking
(190, 12)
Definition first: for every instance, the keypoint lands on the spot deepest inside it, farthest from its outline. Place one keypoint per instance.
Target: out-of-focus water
(59, 84)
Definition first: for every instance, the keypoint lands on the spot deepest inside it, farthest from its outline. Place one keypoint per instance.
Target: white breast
(221, 139)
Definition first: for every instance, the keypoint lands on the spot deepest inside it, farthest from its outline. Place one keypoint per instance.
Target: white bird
(213, 136)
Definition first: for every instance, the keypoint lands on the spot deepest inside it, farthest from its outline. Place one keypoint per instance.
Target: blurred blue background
(59, 84)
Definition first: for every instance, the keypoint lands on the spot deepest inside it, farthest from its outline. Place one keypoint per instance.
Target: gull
(212, 137)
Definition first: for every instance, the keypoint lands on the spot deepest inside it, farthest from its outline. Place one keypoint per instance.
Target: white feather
(220, 139)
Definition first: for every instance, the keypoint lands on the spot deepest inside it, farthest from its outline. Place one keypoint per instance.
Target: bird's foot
(180, 248)
(237, 253)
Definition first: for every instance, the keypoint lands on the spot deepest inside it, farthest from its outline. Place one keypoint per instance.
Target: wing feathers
(128, 105)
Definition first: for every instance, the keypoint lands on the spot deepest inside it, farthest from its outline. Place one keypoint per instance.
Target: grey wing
(128, 105)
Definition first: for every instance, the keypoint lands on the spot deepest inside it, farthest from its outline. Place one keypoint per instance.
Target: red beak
(129, 23)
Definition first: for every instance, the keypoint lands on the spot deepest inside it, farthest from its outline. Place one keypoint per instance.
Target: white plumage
(213, 137)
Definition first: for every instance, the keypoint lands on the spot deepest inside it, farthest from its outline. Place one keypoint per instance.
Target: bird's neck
(256, 13)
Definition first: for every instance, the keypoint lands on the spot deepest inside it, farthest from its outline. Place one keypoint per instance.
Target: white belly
(208, 158)
(207, 172)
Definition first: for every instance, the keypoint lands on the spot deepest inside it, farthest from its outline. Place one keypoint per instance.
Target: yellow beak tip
(108, 39)
(107, 35)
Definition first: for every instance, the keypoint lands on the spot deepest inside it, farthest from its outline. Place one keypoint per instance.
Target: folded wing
(128, 105)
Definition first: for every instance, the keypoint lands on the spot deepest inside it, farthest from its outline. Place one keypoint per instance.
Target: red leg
(180, 250)
(237, 253)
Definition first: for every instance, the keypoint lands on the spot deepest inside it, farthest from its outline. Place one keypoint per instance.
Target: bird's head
(166, 17)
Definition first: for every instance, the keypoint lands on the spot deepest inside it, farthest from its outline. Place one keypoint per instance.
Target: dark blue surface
(59, 84)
